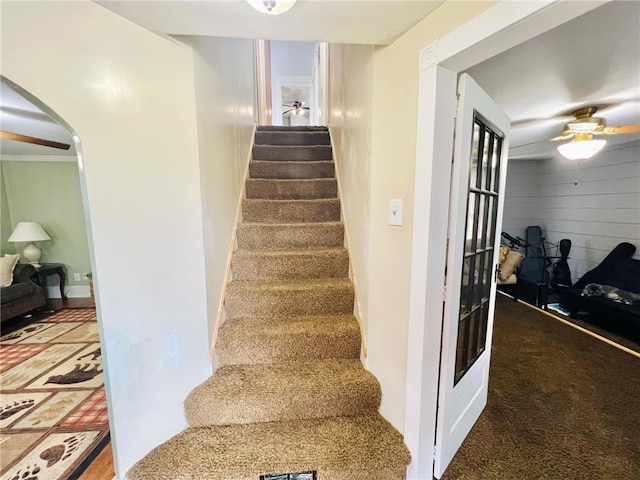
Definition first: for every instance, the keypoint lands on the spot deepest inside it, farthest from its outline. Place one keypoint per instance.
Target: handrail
(232, 245)
(358, 310)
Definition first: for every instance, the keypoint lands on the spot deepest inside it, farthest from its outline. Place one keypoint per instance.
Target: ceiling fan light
(581, 150)
(271, 7)
(583, 126)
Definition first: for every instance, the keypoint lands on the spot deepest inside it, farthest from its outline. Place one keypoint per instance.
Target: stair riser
(399, 474)
(291, 170)
(270, 267)
(295, 153)
(279, 237)
(290, 406)
(291, 189)
(269, 211)
(292, 347)
(321, 301)
(292, 138)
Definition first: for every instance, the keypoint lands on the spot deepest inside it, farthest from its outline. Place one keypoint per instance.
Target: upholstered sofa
(22, 296)
(620, 300)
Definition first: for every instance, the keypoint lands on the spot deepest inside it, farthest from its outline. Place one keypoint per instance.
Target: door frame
(294, 82)
(498, 29)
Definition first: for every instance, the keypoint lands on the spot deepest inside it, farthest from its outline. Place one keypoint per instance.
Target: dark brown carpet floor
(562, 405)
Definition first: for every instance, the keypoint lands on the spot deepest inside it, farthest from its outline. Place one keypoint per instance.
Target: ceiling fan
(34, 140)
(297, 108)
(585, 125)
(581, 131)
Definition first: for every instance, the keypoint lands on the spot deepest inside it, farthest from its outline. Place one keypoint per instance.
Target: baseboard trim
(74, 291)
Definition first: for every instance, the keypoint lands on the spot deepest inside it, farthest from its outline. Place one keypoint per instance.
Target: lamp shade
(271, 7)
(581, 150)
(29, 232)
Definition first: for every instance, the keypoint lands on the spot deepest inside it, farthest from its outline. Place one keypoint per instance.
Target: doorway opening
(53, 377)
(292, 82)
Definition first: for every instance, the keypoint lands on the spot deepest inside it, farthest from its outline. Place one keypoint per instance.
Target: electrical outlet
(76, 277)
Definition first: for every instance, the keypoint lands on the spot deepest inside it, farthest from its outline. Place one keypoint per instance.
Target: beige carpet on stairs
(291, 394)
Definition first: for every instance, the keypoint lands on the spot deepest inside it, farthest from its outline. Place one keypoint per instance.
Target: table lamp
(30, 232)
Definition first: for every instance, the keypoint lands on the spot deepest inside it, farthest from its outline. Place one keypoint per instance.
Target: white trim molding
(73, 291)
(499, 28)
(39, 158)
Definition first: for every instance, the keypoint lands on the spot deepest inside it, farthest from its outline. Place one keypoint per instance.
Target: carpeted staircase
(291, 394)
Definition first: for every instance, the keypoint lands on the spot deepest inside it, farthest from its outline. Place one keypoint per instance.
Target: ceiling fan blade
(290, 110)
(621, 129)
(562, 137)
(35, 140)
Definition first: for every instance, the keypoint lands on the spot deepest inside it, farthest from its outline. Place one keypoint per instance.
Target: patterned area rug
(53, 412)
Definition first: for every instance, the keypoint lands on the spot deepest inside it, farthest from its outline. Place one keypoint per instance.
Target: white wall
(294, 59)
(395, 95)
(350, 105)
(225, 98)
(129, 95)
(595, 203)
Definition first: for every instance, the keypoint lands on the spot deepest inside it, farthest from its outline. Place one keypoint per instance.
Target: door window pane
(479, 237)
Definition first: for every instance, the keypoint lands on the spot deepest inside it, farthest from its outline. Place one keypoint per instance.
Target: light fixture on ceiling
(582, 147)
(271, 7)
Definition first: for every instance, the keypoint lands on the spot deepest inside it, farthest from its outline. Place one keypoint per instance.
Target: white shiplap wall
(595, 203)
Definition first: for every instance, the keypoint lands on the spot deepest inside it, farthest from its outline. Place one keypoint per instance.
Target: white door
(476, 204)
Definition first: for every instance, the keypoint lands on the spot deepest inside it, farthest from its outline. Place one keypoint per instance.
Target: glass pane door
(480, 232)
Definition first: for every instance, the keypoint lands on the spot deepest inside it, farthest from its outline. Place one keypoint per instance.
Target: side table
(46, 269)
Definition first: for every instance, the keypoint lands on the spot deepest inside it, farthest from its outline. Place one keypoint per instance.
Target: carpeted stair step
(265, 236)
(287, 137)
(338, 448)
(287, 339)
(272, 169)
(290, 264)
(297, 128)
(291, 211)
(296, 153)
(281, 392)
(277, 189)
(311, 297)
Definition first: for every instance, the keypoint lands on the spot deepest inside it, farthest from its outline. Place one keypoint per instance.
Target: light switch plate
(395, 212)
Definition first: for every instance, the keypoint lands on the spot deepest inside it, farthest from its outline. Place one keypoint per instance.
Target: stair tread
(293, 180)
(295, 128)
(306, 284)
(293, 252)
(283, 201)
(290, 225)
(283, 391)
(329, 446)
(304, 377)
(304, 163)
(270, 326)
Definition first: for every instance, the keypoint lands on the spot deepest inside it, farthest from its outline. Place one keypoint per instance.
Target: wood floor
(58, 303)
(101, 468)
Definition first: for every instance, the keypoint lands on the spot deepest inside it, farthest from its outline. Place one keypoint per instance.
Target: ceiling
(592, 60)
(336, 21)
(19, 115)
